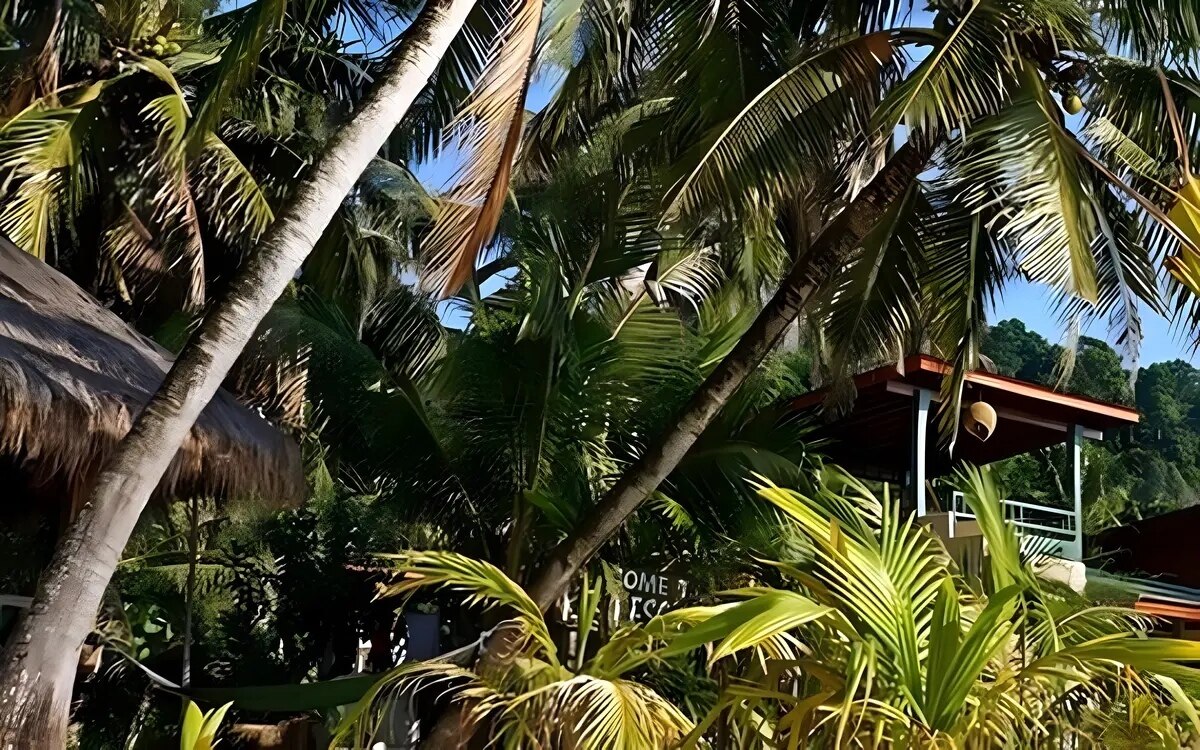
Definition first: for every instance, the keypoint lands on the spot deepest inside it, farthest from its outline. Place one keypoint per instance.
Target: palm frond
(969, 73)
(174, 204)
(42, 163)
(1152, 29)
(795, 123)
(589, 713)
(1125, 275)
(481, 582)
(600, 45)
(762, 617)
(1045, 205)
(873, 305)
(231, 195)
(862, 569)
(964, 267)
(403, 329)
(489, 131)
(238, 63)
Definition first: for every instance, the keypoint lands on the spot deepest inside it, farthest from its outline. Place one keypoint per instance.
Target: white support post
(1073, 550)
(923, 399)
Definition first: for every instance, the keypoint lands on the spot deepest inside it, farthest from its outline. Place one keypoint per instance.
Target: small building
(1160, 565)
(890, 435)
(73, 377)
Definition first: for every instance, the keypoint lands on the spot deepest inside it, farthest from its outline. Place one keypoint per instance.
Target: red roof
(875, 437)
(1171, 610)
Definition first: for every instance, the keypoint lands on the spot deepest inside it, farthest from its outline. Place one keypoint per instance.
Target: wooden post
(922, 398)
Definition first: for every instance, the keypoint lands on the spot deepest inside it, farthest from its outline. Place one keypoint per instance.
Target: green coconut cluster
(156, 46)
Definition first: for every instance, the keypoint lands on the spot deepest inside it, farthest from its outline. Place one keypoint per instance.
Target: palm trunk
(827, 252)
(39, 663)
(823, 257)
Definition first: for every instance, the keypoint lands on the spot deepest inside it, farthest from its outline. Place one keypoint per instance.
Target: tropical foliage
(889, 169)
(874, 638)
(175, 159)
(1132, 474)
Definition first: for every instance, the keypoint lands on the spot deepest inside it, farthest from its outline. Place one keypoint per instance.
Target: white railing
(1047, 530)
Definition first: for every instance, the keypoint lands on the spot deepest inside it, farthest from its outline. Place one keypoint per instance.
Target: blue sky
(1028, 302)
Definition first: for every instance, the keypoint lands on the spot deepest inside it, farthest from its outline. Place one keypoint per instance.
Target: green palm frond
(126, 247)
(42, 160)
(589, 713)
(944, 665)
(984, 498)
(403, 329)
(1125, 275)
(230, 194)
(372, 415)
(174, 205)
(366, 719)
(872, 309)
(238, 63)
(957, 658)
(969, 73)
(1045, 195)
(863, 570)
(1126, 119)
(482, 583)
(964, 269)
(1152, 29)
(763, 617)
(793, 124)
(599, 45)
(692, 275)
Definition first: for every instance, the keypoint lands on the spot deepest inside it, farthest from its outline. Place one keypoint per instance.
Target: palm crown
(1053, 140)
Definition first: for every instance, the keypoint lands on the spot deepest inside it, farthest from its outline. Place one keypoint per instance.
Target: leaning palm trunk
(827, 253)
(39, 663)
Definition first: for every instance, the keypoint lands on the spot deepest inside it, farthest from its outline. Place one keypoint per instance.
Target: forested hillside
(1134, 473)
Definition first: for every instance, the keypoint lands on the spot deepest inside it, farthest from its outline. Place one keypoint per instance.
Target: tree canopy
(1145, 470)
(709, 179)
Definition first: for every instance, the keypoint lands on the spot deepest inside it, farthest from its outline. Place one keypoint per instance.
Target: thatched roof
(73, 376)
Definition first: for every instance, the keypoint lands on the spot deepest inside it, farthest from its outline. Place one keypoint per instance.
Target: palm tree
(916, 657)
(813, 147)
(519, 422)
(874, 638)
(220, 159)
(546, 698)
(39, 662)
(826, 153)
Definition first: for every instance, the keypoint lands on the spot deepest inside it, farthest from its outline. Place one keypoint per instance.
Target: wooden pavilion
(889, 435)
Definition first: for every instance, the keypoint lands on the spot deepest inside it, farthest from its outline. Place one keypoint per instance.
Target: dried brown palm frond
(488, 131)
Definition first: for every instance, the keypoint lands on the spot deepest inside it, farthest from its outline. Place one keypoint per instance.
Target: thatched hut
(73, 377)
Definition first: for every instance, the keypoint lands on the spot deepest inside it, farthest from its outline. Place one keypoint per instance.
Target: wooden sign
(650, 593)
